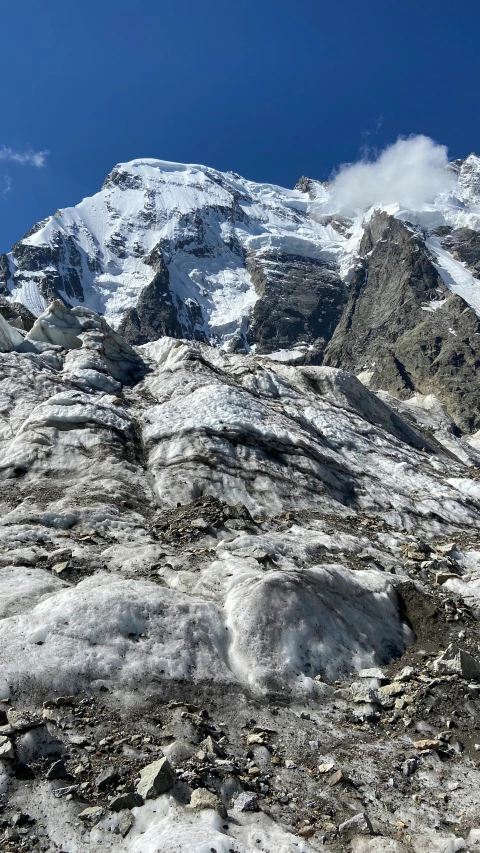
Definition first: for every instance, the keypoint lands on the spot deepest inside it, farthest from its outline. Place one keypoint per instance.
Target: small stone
(58, 568)
(443, 577)
(92, 814)
(78, 740)
(409, 766)
(393, 689)
(49, 715)
(359, 823)
(200, 524)
(306, 831)
(6, 748)
(257, 739)
(447, 548)
(362, 693)
(429, 564)
(337, 777)
(22, 819)
(372, 672)
(59, 702)
(290, 765)
(57, 770)
(426, 744)
(156, 779)
(326, 768)
(126, 822)
(203, 799)
(65, 792)
(211, 747)
(106, 778)
(246, 801)
(456, 661)
(128, 800)
(22, 721)
(406, 674)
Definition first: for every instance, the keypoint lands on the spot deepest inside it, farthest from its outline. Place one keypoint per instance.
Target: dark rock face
(389, 328)
(464, 245)
(155, 313)
(305, 185)
(442, 357)
(5, 274)
(34, 258)
(58, 268)
(301, 301)
(17, 313)
(119, 177)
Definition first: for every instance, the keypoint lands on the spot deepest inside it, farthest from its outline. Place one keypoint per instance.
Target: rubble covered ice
(227, 569)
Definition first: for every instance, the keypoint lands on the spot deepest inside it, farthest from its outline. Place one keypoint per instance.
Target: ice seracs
(236, 534)
(9, 336)
(261, 610)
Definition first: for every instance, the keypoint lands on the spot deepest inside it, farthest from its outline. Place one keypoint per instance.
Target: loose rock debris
(247, 646)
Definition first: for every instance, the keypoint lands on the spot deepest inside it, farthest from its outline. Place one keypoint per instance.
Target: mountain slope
(246, 567)
(195, 227)
(389, 292)
(404, 329)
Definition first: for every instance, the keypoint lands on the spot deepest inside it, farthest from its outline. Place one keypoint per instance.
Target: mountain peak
(189, 251)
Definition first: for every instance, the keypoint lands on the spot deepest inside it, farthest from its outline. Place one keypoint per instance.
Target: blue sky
(271, 89)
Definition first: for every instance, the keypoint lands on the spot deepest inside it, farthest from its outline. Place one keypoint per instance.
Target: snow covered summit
(308, 275)
(202, 227)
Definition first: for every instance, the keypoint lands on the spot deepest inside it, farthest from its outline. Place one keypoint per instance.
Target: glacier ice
(227, 526)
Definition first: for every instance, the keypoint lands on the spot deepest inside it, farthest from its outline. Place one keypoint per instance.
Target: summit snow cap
(410, 172)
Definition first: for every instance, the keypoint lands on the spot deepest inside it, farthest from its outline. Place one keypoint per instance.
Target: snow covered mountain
(204, 244)
(194, 253)
(239, 585)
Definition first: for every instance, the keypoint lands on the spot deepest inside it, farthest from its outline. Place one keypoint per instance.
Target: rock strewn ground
(197, 560)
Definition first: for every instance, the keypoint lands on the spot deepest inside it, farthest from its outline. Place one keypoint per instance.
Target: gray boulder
(156, 779)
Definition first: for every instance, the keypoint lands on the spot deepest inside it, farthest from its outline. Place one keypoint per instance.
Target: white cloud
(24, 158)
(7, 185)
(411, 172)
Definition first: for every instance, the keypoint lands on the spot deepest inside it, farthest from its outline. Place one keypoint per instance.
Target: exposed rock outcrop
(300, 302)
(5, 275)
(16, 314)
(156, 312)
(464, 244)
(404, 328)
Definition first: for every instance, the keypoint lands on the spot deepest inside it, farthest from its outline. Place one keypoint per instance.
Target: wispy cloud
(23, 158)
(7, 185)
(376, 128)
